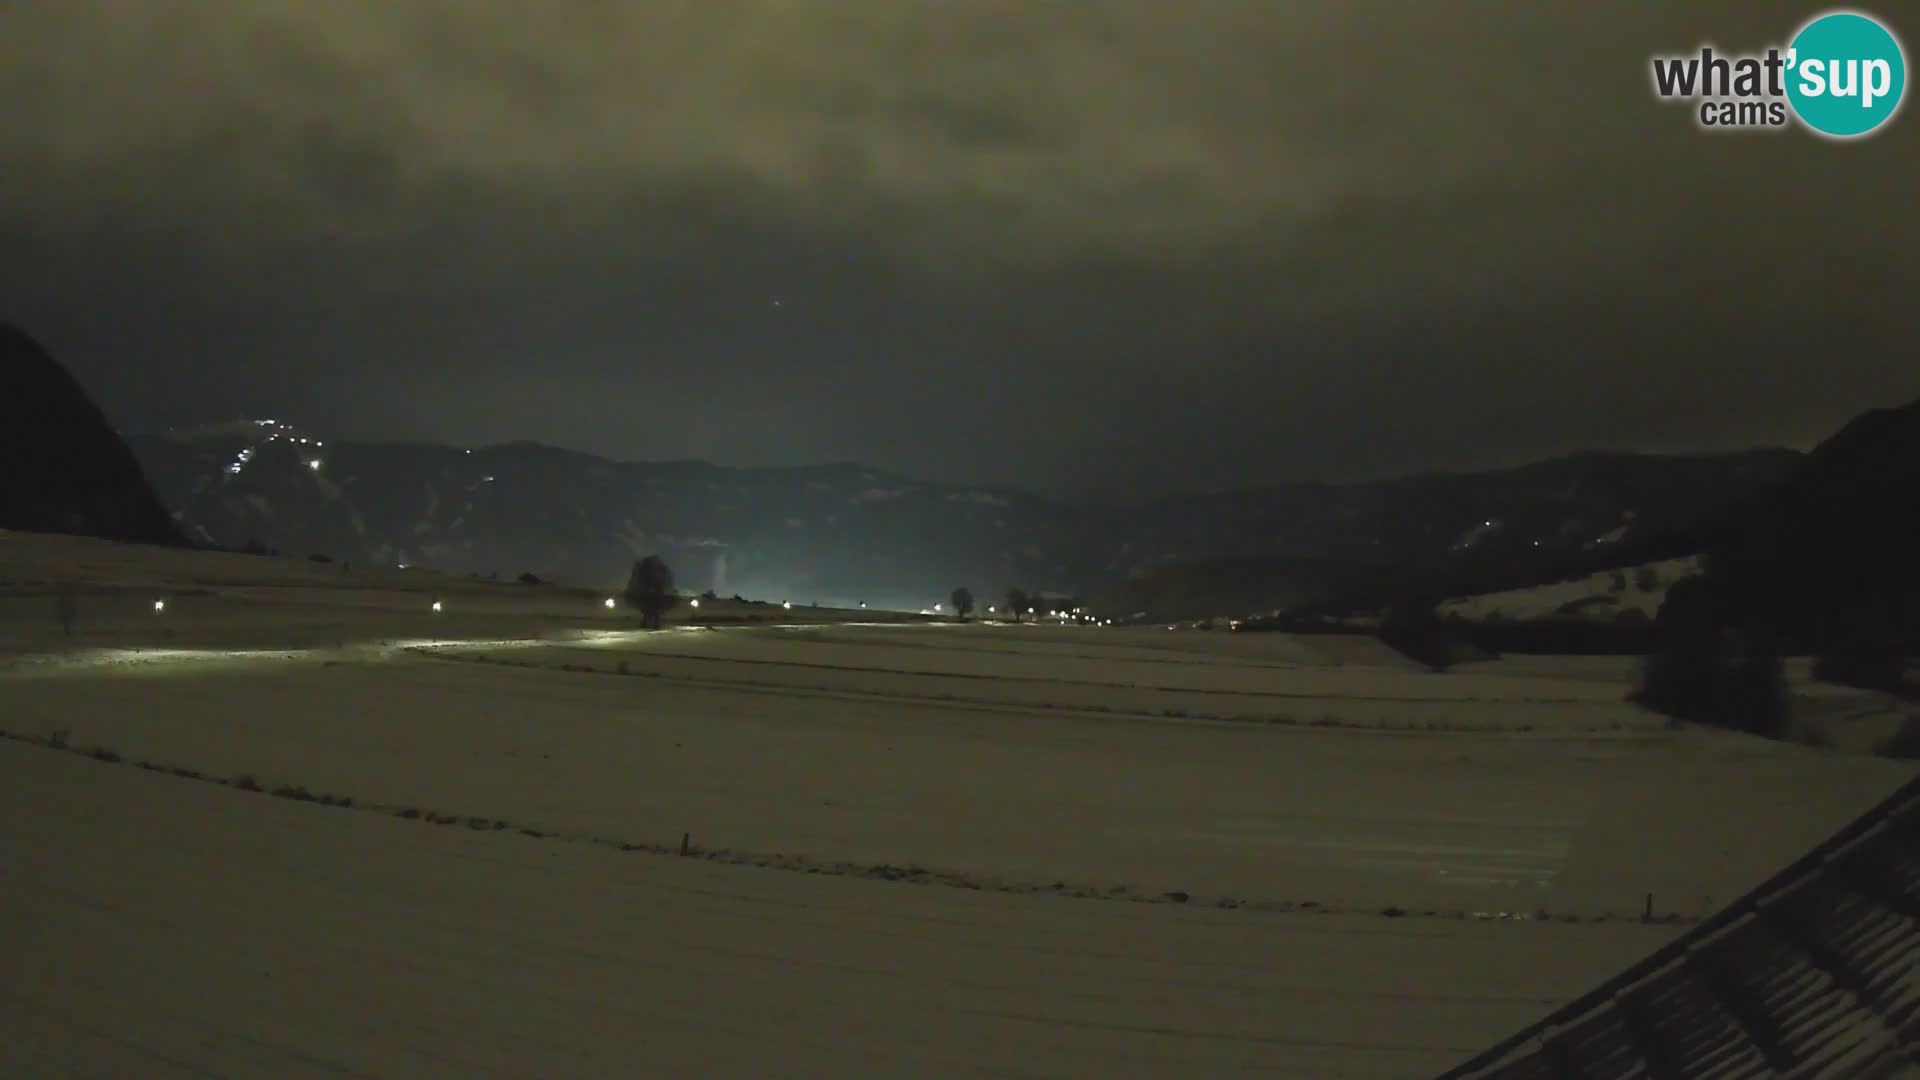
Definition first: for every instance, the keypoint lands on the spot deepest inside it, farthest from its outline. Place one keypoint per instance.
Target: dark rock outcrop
(62, 467)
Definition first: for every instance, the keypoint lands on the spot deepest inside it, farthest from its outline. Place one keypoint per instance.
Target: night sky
(1094, 249)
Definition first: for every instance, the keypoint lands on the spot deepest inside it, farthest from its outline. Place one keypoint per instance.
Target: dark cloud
(1095, 248)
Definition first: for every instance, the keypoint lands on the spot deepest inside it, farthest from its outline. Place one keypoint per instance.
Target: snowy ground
(914, 848)
(1602, 597)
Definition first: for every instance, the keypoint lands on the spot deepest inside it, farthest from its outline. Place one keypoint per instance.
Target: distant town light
(436, 605)
(609, 601)
(403, 566)
(863, 605)
(314, 464)
(788, 605)
(937, 607)
(695, 602)
(159, 606)
(1029, 611)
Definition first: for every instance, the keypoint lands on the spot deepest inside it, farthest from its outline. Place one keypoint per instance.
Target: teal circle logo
(1846, 74)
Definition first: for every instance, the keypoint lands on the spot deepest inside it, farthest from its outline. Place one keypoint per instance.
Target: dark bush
(1416, 631)
(1904, 743)
(530, 578)
(1862, 661)
(1705, 669)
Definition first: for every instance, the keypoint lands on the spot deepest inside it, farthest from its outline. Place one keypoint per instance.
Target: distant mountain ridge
(845, 533)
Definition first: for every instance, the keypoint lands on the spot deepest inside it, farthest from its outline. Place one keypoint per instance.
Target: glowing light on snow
(937, 607)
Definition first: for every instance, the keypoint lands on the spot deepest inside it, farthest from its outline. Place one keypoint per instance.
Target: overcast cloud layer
(1098, 249)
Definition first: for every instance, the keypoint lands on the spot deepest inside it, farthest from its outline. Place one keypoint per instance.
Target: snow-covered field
(1602, 596)
(912, 848)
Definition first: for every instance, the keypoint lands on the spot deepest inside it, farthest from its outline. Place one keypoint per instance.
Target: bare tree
(963, 601)
(1018, 601)
(650, 589)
